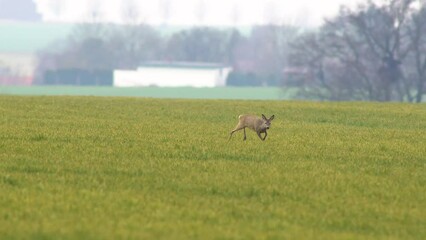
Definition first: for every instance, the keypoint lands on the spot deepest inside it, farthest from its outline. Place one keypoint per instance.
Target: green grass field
(134, 168)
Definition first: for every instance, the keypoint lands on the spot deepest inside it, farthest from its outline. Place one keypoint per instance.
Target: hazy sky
(193, 12)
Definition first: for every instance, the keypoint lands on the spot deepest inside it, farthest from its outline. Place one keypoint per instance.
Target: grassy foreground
(132, 168)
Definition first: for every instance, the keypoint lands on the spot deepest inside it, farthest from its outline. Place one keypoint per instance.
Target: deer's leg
(266, 134)
(245, 137)
(237, 128)
(260, 136)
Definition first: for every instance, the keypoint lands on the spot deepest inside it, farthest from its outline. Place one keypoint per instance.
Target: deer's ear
(264, 118)
(272, 118)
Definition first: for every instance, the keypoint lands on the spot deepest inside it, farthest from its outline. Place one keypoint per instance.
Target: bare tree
(417, 67)
(383, 30)
(371, 45)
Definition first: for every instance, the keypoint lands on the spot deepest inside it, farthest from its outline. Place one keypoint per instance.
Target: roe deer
(255, 123)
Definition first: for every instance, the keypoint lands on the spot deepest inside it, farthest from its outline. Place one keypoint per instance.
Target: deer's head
(267, 121)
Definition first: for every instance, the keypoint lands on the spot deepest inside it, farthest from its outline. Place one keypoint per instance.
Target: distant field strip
(266, 93)
(134, 168)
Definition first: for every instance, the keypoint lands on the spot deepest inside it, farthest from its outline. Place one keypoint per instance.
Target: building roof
(186, 65)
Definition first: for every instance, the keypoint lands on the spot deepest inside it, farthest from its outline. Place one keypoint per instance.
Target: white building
(179, 74)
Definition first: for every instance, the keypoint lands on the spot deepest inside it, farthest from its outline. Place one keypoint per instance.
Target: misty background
(328, 50)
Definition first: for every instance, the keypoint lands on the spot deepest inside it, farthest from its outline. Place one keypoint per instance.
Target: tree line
(257, 58)
(375, 52)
